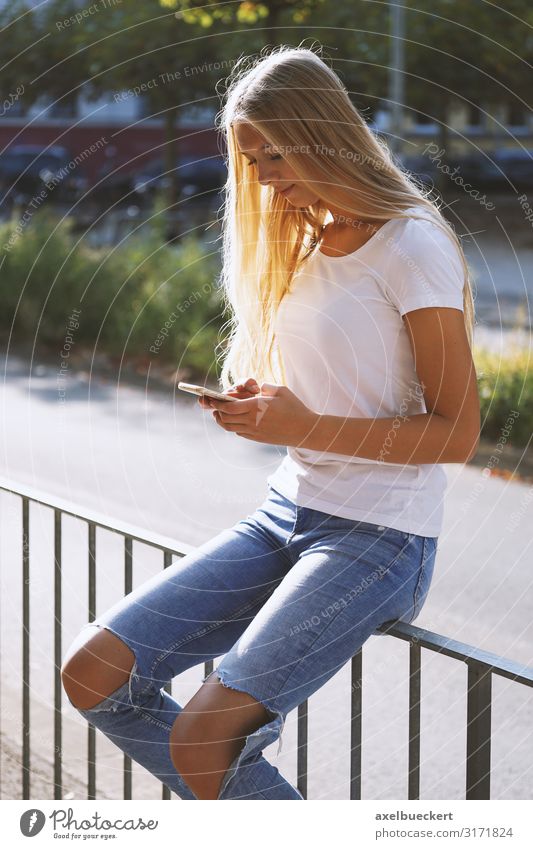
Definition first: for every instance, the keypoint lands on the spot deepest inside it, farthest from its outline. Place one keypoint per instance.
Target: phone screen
(203, 390)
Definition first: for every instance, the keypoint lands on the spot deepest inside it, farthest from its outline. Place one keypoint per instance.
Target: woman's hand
(274, 415)
(240, 390)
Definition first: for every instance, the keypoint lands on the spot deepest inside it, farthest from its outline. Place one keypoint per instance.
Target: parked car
(496, 170)
(138, 187)
(29, 172)
(517, 165)
(196, 176)
(479, 170)
(114, 188)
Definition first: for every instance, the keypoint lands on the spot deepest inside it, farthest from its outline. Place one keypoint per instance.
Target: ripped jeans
(286, 596)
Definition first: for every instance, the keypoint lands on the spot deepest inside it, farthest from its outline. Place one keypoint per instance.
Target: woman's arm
(448, 432)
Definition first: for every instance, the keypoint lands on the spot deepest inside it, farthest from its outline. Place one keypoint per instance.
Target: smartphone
(202, 390)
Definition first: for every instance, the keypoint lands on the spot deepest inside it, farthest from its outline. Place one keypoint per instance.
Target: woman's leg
(350, 578)
(191, 612)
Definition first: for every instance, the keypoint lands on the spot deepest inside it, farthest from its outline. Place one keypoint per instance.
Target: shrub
(505, 383)
(125, 294)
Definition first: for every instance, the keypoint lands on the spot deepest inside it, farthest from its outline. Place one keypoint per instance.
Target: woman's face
(270, 167)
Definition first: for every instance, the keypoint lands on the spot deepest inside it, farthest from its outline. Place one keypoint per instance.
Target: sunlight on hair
(300, 106)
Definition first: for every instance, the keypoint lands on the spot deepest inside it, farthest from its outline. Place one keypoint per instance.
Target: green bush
(505, 384)
(126, 294)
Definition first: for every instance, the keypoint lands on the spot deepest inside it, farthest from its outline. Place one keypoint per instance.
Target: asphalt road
(162, 463)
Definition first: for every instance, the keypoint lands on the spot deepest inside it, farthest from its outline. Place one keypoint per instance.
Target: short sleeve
(424, 268)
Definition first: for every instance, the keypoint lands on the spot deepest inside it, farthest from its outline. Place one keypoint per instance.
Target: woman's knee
(209, 733)
(96, 664)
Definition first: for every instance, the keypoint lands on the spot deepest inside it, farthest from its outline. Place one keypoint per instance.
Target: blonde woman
(350, 345)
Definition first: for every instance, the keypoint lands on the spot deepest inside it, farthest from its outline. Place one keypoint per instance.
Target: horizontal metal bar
(115, 525)
(460, 651)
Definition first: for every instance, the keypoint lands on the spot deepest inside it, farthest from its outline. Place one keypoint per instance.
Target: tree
(474, 52)
(35, 55)
(126, 46)
(138, 48)
(351, 33)
(247, 13)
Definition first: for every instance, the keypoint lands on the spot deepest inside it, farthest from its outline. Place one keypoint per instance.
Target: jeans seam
(149, 718)
(294, 524)
(421, 574)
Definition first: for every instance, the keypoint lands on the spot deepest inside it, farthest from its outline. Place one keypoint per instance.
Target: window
(475, 116)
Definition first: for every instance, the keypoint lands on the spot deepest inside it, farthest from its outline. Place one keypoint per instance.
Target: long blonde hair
(299, 104)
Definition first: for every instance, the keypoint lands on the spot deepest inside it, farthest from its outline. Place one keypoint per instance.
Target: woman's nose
(264, 176)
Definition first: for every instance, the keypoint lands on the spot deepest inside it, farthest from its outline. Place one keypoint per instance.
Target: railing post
(478, 730)
(25, 648)
(356, 725)
(128, 584)
(167, 561)
(91, 731)
(413, 788)
(58, 624)
(301, 748)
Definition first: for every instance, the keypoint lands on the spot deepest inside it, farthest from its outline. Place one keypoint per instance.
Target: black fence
(481, 666)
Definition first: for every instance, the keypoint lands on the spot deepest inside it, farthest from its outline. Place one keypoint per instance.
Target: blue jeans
(287, 596)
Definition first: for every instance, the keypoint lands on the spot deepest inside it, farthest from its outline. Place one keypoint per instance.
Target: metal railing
(481, 665)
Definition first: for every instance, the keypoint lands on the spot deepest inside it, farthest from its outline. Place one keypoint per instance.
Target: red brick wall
(134, 145)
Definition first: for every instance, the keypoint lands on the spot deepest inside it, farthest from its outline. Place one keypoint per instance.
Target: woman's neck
(344, 237)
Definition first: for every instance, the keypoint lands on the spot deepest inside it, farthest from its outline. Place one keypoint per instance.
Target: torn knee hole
(108, 695)
(275, 717)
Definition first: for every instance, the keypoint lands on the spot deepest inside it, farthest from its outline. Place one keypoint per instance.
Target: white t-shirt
(346, 352)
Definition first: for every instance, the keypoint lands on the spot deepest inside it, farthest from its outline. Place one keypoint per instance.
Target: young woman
(350, 344)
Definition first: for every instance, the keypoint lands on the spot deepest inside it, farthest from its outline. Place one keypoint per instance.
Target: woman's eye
(277, 156)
